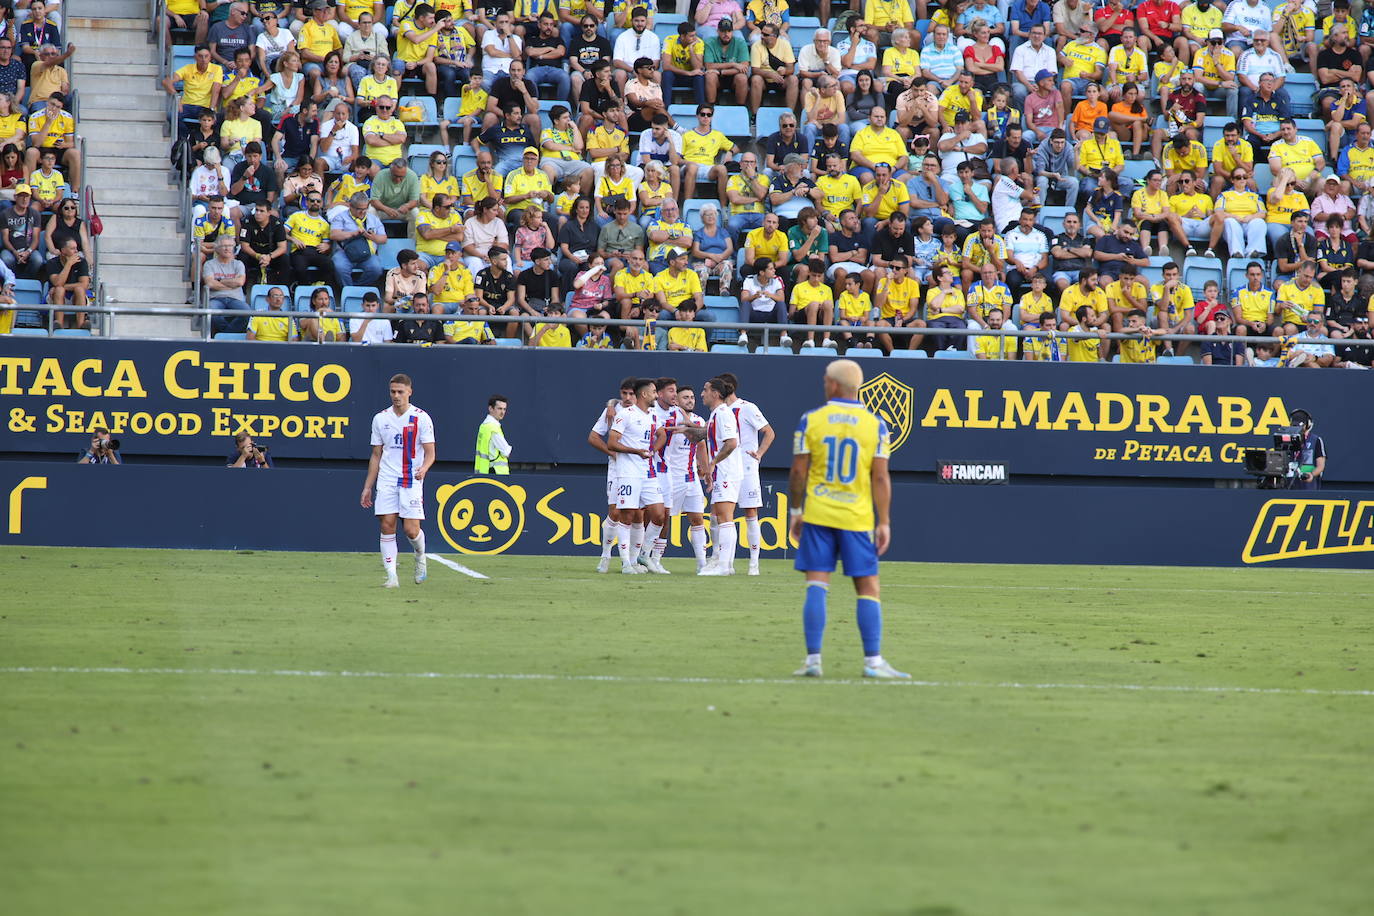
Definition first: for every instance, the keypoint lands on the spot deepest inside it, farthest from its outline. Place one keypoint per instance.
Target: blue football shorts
(822, 546)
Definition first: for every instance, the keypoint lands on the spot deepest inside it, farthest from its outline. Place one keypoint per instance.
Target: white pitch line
(717, 681)
(1122, 587)
(456, 566)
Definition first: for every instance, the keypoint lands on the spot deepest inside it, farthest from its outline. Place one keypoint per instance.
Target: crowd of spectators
(42, 236)
(969, 165)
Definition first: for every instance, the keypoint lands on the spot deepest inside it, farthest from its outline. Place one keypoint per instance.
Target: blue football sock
(869, 613)
(813, 616)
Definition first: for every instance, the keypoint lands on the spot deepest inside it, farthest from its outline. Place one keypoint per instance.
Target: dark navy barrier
(162, 398)
(560, 514)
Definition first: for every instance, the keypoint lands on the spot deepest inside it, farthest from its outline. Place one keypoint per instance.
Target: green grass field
(1019, 775)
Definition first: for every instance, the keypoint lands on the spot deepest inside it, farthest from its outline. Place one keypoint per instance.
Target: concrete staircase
(142, 251)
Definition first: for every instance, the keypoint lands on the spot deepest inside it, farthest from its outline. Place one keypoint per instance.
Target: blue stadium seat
(1264, 178)
(1175, 361)
(801, 29)
(953, 354)
(29, 332)
(257, 296)
(451, 106)
(508, 342)
(418, 155)
(731, 120)
(818, 351)
(728, 348)
(390, 249)
(353, 297)
(875, 353)
(1311, 128)
(1052, 218)
(1302, 87)
(691, 211)
(1235, 273)
(28, 292)
(231, 335)
(300, 301)
(903, 354)
(426, 102)
(1155, 272)
(683, 111)
(768, 121)
(72, 332)
(1137, 169)
(721, 308)
(1197, 270)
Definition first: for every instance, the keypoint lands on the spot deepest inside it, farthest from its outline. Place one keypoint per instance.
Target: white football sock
(636, 542)
(623, 534)
(725, 541)
(697, 535)
(751, 525)
(608, 529)
(660, 547)
(389, 554)
(651, 533)
(417, 543)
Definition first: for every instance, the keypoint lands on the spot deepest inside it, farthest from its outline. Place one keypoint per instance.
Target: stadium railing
(769, 332)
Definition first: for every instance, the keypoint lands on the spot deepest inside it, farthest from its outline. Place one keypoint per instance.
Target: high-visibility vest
(489, 460)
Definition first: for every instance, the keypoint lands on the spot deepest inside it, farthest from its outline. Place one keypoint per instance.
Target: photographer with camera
(248, 454)
(1310, 456)
(103, 449)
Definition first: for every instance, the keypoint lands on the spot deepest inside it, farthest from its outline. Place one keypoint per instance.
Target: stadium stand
(910, 102)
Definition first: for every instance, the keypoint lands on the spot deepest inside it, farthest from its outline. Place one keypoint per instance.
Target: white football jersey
(721, 427)
(750, 420)
(682, 451)
(663, 416)
(602, 428)
(401, 437)
(636, 430)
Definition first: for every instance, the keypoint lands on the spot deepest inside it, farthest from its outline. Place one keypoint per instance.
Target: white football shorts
(407, 502)
(725, 489)
(687, 497)
(610, 485)
(633, 493)
(750, 491)
(653, 491)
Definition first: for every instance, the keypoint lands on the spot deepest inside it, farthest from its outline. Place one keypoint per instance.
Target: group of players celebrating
(664, 460)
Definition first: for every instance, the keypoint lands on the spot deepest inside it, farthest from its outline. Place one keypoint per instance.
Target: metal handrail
(206, 311)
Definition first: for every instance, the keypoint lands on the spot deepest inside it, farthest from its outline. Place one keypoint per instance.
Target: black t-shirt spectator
(19, 227)
(820, 151)
(887, 246)
(1223, 352)
(500, 138)
(1336, 60)
(1285, 250)
(256, 187)
(262, 239)
(296, 137)
(10, 75)
(36, 36)
(1001, 149)
(62, 231)
(1343, 310)
(846, 243)
(783, 185)
(493, 8)
(505, 93)
(588, 51)
(538, 286)
(493, 289)
(1066, 241)
(597, 99)
(778, 148)
(413, 330)
(1362, 355)
(578, 237)
(1110, 244)
(1338, 255)
(78, 272)
(539, 41)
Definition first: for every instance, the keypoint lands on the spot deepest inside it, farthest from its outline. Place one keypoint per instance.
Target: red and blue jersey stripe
(653, 465)
(410, 436)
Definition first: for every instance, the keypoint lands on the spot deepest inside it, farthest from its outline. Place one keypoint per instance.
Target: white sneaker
(743, 339)
(785, 341)
(753, 567)
(603, 565)
(884, 670)
(830, 345)
(656, 567)
(630, 569)
(711, 569)
(1209, 253)
(391, 582)
(421, 569)
(808, 345)
(808, 669)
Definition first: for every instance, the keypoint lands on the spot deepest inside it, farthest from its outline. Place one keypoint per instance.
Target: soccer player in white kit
(683, 479)
(597, 440)
(755, 438)
(402, 452)
(665, 413)
(632, 439)
(725, 469)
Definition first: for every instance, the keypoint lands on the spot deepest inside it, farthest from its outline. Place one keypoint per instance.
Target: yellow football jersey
(839, 194)
(703, 148)
(1296, 303)
(843, 439)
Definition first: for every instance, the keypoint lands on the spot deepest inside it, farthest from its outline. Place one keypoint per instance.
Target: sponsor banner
(976, 472)
(165, 398)
(561, 514)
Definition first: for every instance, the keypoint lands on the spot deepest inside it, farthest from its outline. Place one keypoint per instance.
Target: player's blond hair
(846, 374)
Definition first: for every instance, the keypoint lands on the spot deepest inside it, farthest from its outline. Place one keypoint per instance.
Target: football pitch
(197, 732)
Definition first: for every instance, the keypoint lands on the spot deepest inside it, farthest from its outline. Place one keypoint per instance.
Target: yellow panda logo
(481, 516)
